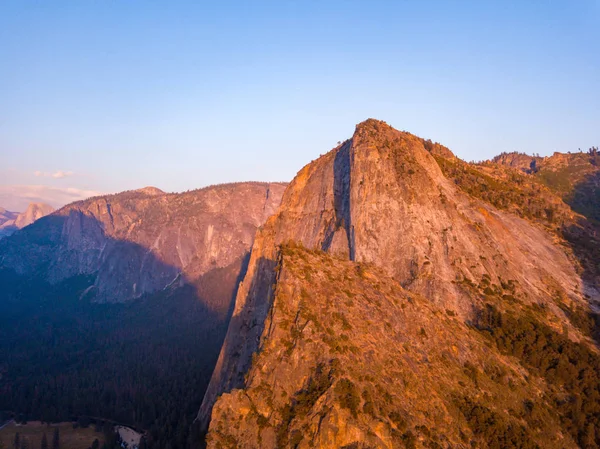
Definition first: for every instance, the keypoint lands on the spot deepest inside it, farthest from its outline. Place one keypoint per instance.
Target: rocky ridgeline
(394, 296)
(381, 199)
(348, 357)
(139, 242)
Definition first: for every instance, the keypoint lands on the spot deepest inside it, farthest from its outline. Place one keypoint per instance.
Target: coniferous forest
(144, 364)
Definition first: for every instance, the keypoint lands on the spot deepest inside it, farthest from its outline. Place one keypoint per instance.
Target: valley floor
(32, 432)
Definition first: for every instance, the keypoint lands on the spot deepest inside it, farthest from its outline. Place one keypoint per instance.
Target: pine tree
(56, 439)
(44, 443)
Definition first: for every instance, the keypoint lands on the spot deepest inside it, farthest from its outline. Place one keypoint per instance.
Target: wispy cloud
(57, 174)
(17, 197)
(62, 174)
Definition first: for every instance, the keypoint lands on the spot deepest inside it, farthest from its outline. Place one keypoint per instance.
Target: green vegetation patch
(496, 431)
(571, 369)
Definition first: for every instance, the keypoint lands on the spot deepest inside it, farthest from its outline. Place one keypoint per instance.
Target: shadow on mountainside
(584, 239)
(242, 341)
(585, 197)
(145, 362)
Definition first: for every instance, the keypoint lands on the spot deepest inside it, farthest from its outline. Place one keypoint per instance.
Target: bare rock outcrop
(380, 198)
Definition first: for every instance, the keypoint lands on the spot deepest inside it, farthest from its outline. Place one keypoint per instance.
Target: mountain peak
(381, 199)
(372, 123)
(34, 212)
(378, 130)
(45, 206)
(12, 221)
(380, 134)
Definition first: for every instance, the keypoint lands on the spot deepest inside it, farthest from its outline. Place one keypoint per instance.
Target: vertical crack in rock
(342, 173)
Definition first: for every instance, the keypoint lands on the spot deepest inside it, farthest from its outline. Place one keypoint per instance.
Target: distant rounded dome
(151, 191)
(34, 212)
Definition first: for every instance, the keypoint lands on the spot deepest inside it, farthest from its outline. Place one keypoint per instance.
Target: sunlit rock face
(381, 199)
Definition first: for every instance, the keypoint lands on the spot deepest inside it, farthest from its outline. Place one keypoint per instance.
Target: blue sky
(103, 96)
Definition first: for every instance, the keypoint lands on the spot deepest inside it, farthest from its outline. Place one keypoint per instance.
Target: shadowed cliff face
(135, 289)
(176, 237)
(380, 198)
(341, 226)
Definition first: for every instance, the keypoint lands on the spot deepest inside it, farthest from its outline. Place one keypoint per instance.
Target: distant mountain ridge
(6, 215)
(13, 221)
(575, 177)
(132, 292)
(141, 241)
